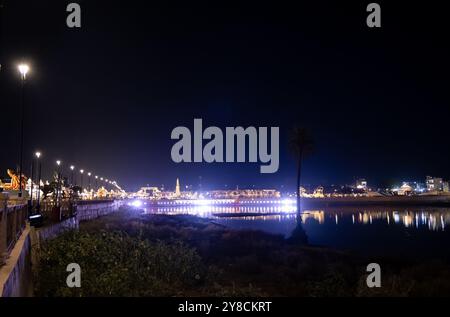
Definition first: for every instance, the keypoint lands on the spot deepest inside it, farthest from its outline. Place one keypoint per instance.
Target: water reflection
(434, 219)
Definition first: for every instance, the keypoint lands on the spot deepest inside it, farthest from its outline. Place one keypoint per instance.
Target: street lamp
(81, 171)
(71, 176)
(38, 205)
(89, 181)
(23, 70)
(58, 173)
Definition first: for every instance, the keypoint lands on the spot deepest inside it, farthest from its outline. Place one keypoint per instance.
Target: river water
(377, 231)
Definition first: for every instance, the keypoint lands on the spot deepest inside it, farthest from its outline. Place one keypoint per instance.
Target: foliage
(115, 264)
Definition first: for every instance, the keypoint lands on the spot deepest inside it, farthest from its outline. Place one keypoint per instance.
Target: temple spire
(177, 188)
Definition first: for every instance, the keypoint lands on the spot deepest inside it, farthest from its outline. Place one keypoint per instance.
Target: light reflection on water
(434, 219)
(417, 232)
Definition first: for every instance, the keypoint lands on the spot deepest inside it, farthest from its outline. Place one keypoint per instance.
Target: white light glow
(23, 69)
(136, 203)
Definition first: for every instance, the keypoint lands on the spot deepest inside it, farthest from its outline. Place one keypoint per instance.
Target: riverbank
(129, 254)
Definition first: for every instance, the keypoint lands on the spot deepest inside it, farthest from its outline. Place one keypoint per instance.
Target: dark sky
(106, 97)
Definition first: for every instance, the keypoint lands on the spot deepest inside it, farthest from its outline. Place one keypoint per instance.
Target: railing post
(3, 229)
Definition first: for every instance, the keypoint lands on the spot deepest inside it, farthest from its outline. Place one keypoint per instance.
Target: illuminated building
(404, 190)
(148, 192)
(244, 193)
(361, 184)
(434, 184)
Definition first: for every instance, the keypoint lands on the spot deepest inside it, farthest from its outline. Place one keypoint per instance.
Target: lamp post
(96, 182)
(81, 172)
(89, 181)
(38, 198)
(23, 69)
(30, 200)
(71, 176)
(58, 186)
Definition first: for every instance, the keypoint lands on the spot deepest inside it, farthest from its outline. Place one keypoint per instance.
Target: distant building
(404, 190)
(244, 193)
(361, 184)
(434, 184)
(149, 192)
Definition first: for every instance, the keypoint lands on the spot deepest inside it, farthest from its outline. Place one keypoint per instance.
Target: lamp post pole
(71, 176)
(81, 171)
(38, 203)
(58, 186)
(30, 200)
(23, 69)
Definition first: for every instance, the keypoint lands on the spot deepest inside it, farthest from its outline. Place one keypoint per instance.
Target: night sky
(106, 97)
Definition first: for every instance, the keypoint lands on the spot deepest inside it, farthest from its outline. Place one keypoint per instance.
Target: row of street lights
(59, 175)
(24, 69)
(59, 178)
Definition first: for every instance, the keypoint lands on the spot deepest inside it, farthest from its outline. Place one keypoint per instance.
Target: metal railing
(13, 219)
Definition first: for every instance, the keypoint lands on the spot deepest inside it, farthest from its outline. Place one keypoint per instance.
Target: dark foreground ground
(128, 254)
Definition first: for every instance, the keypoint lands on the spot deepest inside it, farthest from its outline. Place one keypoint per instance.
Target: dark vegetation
(127, 254)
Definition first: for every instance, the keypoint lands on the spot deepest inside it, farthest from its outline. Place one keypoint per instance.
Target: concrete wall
(16, 275)
(88, 211)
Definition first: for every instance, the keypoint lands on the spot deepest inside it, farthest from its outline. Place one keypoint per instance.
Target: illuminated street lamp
(89, 180)
(30, 200)
(38, 198)
(96, 181)
(23, 70)
(81, 171)
(72, 168)
(58, 173)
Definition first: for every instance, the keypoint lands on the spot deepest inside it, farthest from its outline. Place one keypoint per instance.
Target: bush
(115, 264)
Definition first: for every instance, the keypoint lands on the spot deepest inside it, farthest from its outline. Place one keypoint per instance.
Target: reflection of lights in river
(433, 219)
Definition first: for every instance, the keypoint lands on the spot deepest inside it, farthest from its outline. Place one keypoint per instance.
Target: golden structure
(102, 192)
(14, 184)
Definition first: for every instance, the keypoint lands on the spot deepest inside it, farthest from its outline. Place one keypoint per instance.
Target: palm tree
(301, 144)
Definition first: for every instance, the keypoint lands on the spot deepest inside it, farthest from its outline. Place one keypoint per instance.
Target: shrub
(115, 264)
